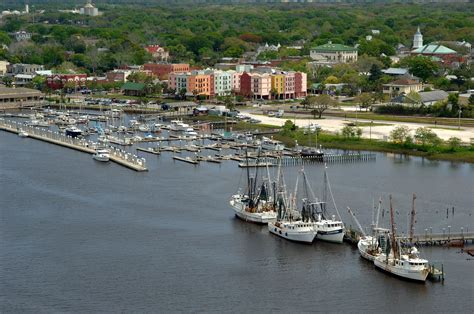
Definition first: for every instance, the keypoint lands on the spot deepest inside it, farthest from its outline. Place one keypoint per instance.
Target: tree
(471, 100)
(7, 81)
(375, 73)
(364, 100)
(229, 102)
(182, 93)
(454, 142)
(351, 132)
(425, 136)
(319, 104)
(420, 66)
(400, 134)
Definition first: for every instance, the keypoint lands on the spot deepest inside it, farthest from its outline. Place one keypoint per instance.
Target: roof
(435, 95)
(133, 86)
(330, 47)
(18, 92)
(395, 71)
(434, 49)
(404, 81)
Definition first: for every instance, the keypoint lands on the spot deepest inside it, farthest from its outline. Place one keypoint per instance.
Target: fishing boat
(401, 261)
(73, 131)
(329, 229)
(258, 204)
(291, 224)
(370, 246)
(101, 154)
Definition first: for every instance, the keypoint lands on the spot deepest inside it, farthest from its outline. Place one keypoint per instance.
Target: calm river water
(80, 236)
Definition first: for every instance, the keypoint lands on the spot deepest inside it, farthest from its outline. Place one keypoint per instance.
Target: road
(335, 124)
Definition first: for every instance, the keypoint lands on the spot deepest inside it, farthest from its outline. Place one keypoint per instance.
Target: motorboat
(22, 133)
(101, 154)
(73, 131)
(330, 230)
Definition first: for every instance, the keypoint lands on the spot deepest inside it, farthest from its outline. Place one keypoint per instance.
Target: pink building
(261, 85)
(289, 88)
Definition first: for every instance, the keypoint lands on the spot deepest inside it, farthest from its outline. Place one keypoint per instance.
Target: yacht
(271, 144)
(73, 131)
(178, 126)
(101, 154)
(22, 133)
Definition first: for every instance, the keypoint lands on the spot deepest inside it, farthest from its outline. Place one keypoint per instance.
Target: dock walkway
(116, 155)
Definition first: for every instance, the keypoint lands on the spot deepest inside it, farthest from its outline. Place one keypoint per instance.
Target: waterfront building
(277, 85)
(19, 97)
(163, 70)
(59, 81)
(222, 83)
(23, 68)
(200, 83)
(335, 53)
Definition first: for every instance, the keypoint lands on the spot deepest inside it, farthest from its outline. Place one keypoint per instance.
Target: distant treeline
(5, 4)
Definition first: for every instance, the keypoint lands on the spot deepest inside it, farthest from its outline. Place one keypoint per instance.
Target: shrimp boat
(258, 204)
(329, 229)
(370, 246)
(400, 261)
(291, 224)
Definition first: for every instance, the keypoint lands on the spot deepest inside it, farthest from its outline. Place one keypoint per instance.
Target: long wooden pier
(116, 155)
(426, 239)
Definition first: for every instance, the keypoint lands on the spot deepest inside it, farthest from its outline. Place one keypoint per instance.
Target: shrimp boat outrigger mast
(258, 205)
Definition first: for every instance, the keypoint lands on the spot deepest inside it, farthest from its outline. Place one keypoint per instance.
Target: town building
(402, 86)
(396, 72)
(440, 53)
(223, 83)
(23, 68)
(133, 89)
(19, 97)
(59, 81)
(334, 53)
(89, 9)
(163, 70)
(417, 39)
(3, 67)
(22, 36)
(157, 52)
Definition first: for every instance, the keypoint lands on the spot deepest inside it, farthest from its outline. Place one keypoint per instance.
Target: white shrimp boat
(257, 205)
(399, 261)
(331, 230)
(298, 231)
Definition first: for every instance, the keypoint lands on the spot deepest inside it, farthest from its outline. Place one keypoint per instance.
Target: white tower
(27, 8)
(417, 39)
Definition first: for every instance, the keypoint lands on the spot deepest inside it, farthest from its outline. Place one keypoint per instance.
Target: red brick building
(58, 81)
(162, 70)
(246, 85)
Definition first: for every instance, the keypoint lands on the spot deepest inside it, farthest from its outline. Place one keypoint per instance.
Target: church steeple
(417, 39)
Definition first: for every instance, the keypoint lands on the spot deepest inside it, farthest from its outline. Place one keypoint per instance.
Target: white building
(418, 39)
(334, 53)
(222, 83)
(89, 9)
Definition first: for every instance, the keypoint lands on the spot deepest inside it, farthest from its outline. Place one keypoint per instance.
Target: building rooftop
(434, 49)
(435, 95)
(133, 86)
(18, 91)
(404, 81)
(330, 47)
(395, 71)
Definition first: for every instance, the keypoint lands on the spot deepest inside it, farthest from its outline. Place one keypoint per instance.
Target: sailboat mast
(248, 173)
(412, 221)
(392, 222)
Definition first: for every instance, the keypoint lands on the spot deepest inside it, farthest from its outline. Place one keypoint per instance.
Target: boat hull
(262, 218)
(414, 275)
(335, 236)
(306, 236)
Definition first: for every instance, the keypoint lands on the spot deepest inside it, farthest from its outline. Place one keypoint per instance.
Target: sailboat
(399, 261)
(291, 224)
(258, 205)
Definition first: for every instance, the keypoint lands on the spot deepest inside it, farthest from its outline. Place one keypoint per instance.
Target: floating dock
(116, 155)
(187, 159)
(149, 150)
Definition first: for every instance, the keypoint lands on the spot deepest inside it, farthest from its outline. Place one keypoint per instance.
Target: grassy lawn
(442, 152)
(428, 120)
